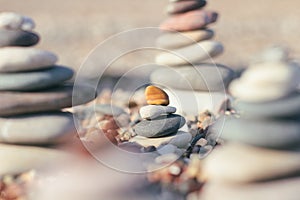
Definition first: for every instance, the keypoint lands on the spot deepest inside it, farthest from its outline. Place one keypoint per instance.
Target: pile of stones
(186, 42)
(33, 92)
(262, 154)
(159, 127)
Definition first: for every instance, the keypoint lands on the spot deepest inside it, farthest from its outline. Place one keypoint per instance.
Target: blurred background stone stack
(194, 82)
(261, 159)
(33, 92)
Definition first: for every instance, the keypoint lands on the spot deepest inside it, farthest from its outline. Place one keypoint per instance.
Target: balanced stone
(181, 139)
(18, 159)
(193, 54)
(184, 6)
(14, 103)
(14, 21)
(41, 129)
(204, 77)
(161, 126)
(175, 40)
(154, 111)
(243, 164)
(18, 59)
(17, 38)
(276, 134)
(285, 189)
(284, 107)
(156, 96)
(188, 21)
(35, 80)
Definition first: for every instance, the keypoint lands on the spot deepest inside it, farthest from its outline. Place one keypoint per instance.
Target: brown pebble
(156, 96)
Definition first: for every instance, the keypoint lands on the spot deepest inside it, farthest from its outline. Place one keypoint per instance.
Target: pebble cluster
(262, 154)
(33, 93)
(187, 57)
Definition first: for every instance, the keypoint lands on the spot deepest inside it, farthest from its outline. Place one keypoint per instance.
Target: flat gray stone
(16, 159)
(35, 80)
(275, 134)
(204, 77)
(154, 111)
(15, 103)
(193, 54)
(38, 129)
(19, 59)
(175, 40)
(285, 107)
(17, 38)
(184, 6)
(159, 127)
(237, 164)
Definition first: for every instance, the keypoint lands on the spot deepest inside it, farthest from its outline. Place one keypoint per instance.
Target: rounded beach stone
(175, 40)
(276, 134)
(244, 164)
(193, 54)
(153, 111)
(285, 107)
(161, 126)
(181, 139)
(14, 103)
(156, 96)
(39, 129)
(18, 59)
(17, 159)
(184, 6)
(14, 21)
(17, 38)
(167, 149)
(285, 189)
(188, 21)
(35, 80)
(204, 77)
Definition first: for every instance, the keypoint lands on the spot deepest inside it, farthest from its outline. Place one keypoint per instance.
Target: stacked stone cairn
(159, 127)
(261, 159)
(33, 93)
(186, 42)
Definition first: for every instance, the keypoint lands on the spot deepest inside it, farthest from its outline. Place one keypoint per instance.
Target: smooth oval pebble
(15, 21)
(17, 38)
(284, 107)
(181, 139)
(161, 126)
(167, 149)
(14, 103)
(18, 59)
(153, 111)
(234, 163)
(16, 159)
(175, 40)
(285, 189)
(41, 129)
(184, 6)
(204, 77)
(189, 21)
(35, 80)
(156, 96)
(193, 54)
(275, 134)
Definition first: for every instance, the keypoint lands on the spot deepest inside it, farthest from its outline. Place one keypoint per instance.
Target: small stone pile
(262, 154)
(159, 125)
(33, 93)
(187, 43)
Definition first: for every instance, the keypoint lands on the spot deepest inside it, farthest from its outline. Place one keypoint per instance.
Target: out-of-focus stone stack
(193, 81)
(33, 93)
(261, 160)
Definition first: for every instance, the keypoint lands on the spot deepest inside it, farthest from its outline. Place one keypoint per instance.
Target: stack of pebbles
(159, 126)
(187, 43)
(262, 155)
(32, 94)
